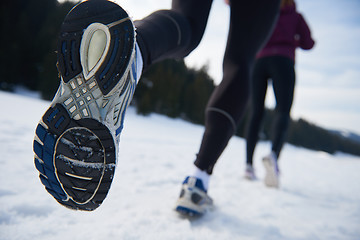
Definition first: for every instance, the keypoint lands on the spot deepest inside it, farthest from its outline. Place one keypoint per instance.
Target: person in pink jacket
(276, 62)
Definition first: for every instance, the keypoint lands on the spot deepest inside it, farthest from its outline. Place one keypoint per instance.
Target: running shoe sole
(76, 140)
(271, 177)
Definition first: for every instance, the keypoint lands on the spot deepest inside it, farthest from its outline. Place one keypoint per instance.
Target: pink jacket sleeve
(303, 35)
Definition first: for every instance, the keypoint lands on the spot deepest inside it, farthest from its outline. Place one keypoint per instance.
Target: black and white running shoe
(193, 200)
(76, 141)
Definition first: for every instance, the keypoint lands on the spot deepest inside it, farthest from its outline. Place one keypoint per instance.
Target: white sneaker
(193, 200)
(272, 171)
(76, 141)
(250, 172)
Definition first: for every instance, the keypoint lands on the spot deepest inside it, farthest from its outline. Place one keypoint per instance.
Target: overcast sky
(328, 77)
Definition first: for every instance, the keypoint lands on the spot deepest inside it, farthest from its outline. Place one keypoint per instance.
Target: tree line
(28, 57)
(173, 89)
(29, 30)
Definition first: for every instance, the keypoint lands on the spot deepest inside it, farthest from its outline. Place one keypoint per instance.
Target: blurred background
(326, 110)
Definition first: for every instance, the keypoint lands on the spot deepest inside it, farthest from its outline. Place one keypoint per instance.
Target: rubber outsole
(187, 212)
(76, 159)
(75, 151)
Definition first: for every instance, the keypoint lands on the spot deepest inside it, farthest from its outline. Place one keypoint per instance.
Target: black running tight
(175, 33)
(281, 71)
(172, 33)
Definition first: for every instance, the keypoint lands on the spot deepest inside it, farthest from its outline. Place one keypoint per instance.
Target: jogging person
(276, 62)
(101, 55)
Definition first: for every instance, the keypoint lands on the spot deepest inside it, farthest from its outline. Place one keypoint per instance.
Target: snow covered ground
(319, 196)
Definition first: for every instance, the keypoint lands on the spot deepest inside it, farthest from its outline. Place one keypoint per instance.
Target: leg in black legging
(172, 33)
(250, 26)
(283, 84)
(259, 85)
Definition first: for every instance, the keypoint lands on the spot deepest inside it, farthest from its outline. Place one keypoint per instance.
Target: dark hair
(285, 3)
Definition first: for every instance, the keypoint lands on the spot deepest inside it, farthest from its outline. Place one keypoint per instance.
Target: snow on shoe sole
(76, 140)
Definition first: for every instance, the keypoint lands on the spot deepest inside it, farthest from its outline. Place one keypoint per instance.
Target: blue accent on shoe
(38, 149)
(118, 131)
(48, 160)
(199, 184)
(61, 119)
(43, 169)
(44, 160)
(187, 211)
(45, 153)
(54, 194)
(41, 132)
(53, 188)
(112, 58)
(39, 166)
(52, 178)
(49, 142)
(52, 115)
(133, 68)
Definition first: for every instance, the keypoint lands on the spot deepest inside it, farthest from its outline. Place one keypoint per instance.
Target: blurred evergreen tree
(29, 29)
(48, 80)
(196, 95)
(170, 88)
(160, 88)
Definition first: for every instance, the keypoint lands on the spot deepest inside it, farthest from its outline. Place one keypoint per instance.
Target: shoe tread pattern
(76, 160)
(121, 45)
(76, 157)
